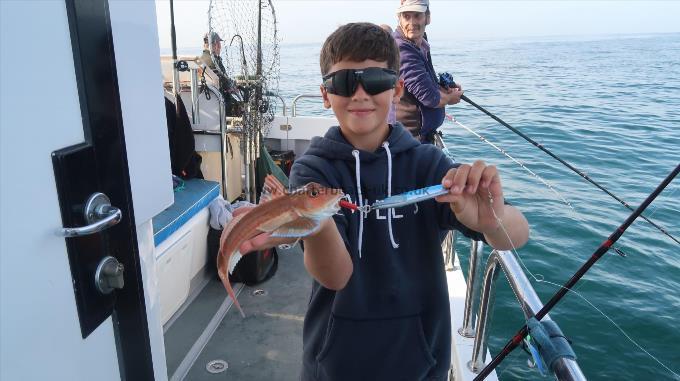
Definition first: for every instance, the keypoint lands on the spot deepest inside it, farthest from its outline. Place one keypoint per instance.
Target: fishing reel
(446, 80)
(182, 66)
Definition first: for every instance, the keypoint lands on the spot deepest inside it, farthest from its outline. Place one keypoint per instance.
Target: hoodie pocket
(382, 349)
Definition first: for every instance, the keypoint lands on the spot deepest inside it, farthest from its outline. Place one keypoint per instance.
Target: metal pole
(175, 72)
(472, 292)
(254, 134)
(259, 39)
(565, 369)
(486, 306)
(195, 92)
(223, 146)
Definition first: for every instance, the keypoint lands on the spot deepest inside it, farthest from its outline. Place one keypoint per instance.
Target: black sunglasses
(374, 80)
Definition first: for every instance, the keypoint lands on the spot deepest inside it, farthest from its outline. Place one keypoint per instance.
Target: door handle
(99, 215)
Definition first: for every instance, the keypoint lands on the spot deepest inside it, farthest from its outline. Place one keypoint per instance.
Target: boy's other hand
(261, 241)
(469, 190)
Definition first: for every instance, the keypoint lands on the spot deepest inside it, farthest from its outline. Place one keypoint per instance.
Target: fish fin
(221, 254)
(278, 189)
(271, 189)
(275, 222)
(298, 228)
(265, 195)
(233, 261)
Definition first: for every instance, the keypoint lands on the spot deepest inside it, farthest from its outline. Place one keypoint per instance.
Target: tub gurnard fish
(293, 214)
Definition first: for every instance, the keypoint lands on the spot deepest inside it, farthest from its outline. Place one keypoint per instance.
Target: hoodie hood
(334, 146)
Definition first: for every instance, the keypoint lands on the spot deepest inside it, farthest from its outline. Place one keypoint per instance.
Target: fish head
(316, 201)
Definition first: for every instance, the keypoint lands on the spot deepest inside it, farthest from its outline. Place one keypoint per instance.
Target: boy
(379, 307)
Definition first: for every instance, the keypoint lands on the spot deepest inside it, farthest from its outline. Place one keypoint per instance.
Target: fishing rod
(501, 150)
(175, 71)
(604, 247)
(580, 173)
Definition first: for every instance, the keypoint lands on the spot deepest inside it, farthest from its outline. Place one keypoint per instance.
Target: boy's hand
(469, 189)
(260, 241)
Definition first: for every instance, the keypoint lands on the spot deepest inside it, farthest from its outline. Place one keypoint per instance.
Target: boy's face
(362, 116)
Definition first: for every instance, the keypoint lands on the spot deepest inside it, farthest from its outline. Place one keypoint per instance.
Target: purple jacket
(418, 110)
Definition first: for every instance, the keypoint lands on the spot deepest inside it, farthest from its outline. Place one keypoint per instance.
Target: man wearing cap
(421, 108)
(212, 47)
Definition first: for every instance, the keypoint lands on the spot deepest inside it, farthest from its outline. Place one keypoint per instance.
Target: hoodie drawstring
(357, 171)
(386, 145)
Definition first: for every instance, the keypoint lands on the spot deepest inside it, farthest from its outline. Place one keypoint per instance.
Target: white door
(59, 89)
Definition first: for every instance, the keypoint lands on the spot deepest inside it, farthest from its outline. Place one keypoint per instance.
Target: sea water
(608, 105)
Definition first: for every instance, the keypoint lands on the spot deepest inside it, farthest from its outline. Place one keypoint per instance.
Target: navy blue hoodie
(392, 320)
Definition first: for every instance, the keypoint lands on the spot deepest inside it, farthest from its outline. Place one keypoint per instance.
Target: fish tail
(238, 306)
(223, 272)
(232, 295)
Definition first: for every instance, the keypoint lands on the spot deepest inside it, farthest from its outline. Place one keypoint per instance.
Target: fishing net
(250, 53)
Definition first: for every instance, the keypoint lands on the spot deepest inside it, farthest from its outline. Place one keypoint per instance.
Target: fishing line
(656, 207)
(583, 175)
(447, 152)
(501, 150)
(597, 254)
(539, 278)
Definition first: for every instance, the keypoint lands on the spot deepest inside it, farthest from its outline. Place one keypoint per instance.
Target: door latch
(109, 275)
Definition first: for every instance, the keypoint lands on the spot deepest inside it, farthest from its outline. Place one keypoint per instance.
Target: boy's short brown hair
(359, 42)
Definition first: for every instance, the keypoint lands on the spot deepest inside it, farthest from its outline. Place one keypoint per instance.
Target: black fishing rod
(604, 247)
(540, 146)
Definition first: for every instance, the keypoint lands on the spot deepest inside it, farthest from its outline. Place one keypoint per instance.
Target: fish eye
(314, 192)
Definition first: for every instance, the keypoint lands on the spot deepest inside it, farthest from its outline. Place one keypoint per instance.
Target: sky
(310, 21)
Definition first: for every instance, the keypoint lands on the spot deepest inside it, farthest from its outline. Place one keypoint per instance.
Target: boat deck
(266, 345)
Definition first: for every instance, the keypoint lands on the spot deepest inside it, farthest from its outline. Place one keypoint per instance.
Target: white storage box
(173, 266)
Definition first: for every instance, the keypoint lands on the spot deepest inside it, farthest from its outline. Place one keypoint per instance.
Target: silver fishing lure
(410, 197)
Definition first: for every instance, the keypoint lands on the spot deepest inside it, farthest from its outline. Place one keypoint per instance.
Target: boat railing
(564, 368)
(195, 107)
(301, 96)
(277, 95)
(476, 320)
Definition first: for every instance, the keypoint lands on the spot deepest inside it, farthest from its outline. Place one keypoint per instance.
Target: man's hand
(450, 95)
(454, 94)
(471, 191)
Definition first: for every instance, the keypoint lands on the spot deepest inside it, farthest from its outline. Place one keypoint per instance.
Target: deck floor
(266, 345)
